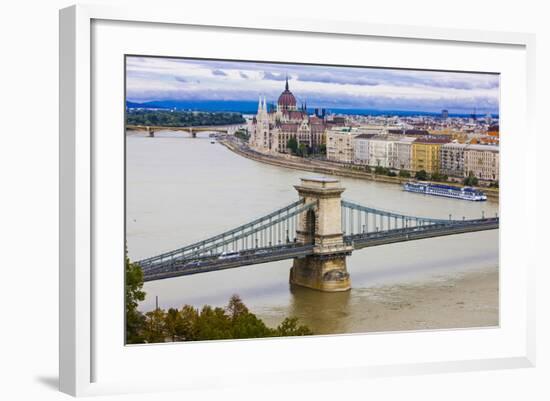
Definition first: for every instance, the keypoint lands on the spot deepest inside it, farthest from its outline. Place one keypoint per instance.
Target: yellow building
(425, 154)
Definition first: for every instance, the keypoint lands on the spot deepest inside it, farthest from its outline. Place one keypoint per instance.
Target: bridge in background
(223, 129)
(317, 231)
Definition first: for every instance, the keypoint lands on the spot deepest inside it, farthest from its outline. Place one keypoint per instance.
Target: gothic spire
(286, 85)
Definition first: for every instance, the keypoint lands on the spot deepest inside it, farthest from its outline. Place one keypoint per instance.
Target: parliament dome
(287, 101)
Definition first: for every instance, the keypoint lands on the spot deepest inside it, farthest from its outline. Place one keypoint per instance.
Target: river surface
(181, 189)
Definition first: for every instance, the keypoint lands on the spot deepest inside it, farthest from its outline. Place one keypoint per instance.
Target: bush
(471, 180)
(381, 170)
(404, 174)
(421, 175)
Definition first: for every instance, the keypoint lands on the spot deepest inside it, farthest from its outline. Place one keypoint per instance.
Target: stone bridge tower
(321, 226)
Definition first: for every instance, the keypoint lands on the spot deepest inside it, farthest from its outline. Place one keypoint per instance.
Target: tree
(236, 307)
(243, 323)
(155, 329)
(213, 324)
(471, 180)
(190, 317)
(302, 150)
(439, 177)
(174, 325)
(135, 320)
(404, 174)
(292, 144)
(421, 175)
(289, 327)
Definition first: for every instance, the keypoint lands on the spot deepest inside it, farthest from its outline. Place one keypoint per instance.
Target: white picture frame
(80, 346)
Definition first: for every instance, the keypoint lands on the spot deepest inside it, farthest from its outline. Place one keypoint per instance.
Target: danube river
(181, 190)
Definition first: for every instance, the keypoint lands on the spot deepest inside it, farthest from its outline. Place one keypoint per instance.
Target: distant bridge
(317, 231)
(151, 129)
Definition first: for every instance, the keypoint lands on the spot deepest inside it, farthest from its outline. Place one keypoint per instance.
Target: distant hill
(251, 107)
(246, 107)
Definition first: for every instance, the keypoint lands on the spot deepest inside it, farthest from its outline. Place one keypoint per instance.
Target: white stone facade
(482, 161)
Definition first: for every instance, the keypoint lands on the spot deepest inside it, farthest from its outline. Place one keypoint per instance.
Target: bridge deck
(196, 265)
(222, 262)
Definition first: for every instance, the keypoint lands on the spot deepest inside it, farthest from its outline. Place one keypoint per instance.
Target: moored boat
(448, 191)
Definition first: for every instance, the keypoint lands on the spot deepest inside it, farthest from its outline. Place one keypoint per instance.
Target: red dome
(287, 100)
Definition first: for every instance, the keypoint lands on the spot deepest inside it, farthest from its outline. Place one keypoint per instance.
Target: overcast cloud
(150, 78)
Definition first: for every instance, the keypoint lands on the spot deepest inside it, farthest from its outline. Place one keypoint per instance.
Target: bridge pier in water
(325, 269)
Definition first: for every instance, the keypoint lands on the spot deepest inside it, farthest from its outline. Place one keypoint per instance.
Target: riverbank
(463, 300)
(325, 167)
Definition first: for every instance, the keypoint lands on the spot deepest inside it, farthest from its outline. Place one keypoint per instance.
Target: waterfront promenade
(323, 166)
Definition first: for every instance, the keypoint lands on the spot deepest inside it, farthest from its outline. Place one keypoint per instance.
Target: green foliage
(133, 295)
(421, 175)
(243, 135)
(292, 144)
(290, 327)
(381, 170)
(174, 324)
(213, 324)
(439, 177)
(177, 118)
(494, 184)
(471, 180)
(188, 324)
(404, 174)
(155, 326)
(384, 171)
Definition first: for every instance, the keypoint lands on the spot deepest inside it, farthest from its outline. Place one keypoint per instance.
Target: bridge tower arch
(325, 269)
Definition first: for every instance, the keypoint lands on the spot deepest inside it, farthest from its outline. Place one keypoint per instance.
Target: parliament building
(271, 129)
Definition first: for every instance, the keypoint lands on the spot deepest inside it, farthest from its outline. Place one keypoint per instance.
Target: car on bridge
(229, 255)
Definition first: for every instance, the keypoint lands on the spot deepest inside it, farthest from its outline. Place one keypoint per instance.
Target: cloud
(150, 78)
(336, 78)
(274, 77)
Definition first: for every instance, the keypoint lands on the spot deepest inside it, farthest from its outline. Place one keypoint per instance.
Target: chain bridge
(317, 231)
(191, 130)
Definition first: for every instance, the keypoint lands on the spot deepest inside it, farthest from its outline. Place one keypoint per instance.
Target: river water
(181, 189)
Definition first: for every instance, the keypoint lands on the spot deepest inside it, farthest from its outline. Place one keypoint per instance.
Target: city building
(444, 114)
(272, 127)
(340, 144)
(403, 153)
(380, 150)
(452, 159)
(425, 154)
(482, 161)
(361, 145)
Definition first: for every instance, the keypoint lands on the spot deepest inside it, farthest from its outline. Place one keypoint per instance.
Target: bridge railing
(278, 226)
(357, 219)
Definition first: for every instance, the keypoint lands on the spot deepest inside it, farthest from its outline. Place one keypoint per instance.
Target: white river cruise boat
(466, 193)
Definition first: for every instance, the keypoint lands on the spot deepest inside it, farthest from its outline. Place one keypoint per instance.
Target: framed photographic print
(344, 196)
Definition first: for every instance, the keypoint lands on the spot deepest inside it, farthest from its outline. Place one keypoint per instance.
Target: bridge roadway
(183, 267)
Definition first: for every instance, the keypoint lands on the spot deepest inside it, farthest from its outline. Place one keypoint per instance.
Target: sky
(153, 78)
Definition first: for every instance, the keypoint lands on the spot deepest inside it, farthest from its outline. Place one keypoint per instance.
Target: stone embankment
(326, 167)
